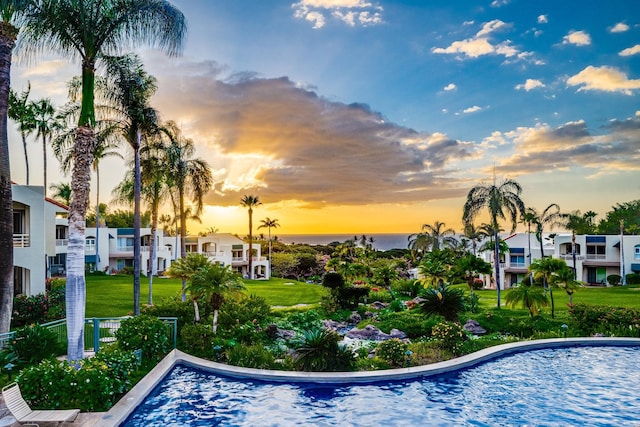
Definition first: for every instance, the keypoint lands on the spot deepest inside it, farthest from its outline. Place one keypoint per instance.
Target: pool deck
(122, 409)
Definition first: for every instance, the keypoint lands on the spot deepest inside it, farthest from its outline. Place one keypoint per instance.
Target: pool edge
(125, 406)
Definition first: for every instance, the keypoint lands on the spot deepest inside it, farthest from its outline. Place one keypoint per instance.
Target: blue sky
(372, 116)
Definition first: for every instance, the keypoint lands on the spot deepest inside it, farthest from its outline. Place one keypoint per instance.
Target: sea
(382, 242)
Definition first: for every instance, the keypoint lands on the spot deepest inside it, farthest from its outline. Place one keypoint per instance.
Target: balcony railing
(21, 241)
(62, 242)
(596, 256)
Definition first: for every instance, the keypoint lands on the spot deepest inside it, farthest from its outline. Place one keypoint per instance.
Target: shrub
(197, 340)
(309, 319)
(380, 295)
(414, 324)
(172, 307)
(96, 386)
(243, 309)
(251, 356)
(408, 287)
(319, 351)
(450, 336)
(426, 352)
(445, 301)
(393, 351)
(32, 344)
(614, 279)
(592, 319)
(633, 279)
(332, 280)
(40, 308)
(145, 333)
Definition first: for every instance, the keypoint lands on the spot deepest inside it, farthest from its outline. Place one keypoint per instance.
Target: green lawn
(113, 295)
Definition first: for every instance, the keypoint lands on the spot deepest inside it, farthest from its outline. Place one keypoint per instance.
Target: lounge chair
(25, 415)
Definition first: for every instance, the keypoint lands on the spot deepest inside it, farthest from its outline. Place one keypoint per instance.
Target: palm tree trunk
(84, 146)
(496, 254)
(215, 321)
(196, 310)
(44, 163)
(183, 235)
(7, 40)
(136, 224)
(26, 155)
(250, 244)
(97, 167)
(154, 253)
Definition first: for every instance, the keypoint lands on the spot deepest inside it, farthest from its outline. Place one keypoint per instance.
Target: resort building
(34, 237)
(593, 257)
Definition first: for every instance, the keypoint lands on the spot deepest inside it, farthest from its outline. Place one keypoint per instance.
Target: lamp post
(622, 272)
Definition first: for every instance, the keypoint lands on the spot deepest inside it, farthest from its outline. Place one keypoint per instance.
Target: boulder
(369, 332)
(474, 327)
(377, 305)
(395, 333)
(355, 318)
(274, 332)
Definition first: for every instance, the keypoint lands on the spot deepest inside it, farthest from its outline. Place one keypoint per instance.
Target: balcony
(62, 242)
(21, 241)
(597, 256)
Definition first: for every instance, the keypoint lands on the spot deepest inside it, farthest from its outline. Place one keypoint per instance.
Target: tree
(21, 112)
(212, 283)
(629, 212)
(438, 235)
(269, 224)
(528, 217)
(131, 91)
(62, 192)
(581, 223)
(551, 216)
(445, 301)
(501, 201)
(10, 10)
(86, 30)
(565, 279)
(530, 296)
(546, 268)
(475, 235)
(250, 202)
(46, 122)
(185, 268)
(188, 176)
(468, 267)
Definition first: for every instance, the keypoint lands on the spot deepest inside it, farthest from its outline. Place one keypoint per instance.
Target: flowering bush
(96, 386)
(450, 336)
(393, 351)
(145, 333)
(40, 308)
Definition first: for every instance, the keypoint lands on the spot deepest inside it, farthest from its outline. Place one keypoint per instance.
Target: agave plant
(444, 301)
(320, 351)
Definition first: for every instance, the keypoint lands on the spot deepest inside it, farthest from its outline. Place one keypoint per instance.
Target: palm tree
(131, 91)
(62, 191)
(188, 176)
(21, 112)
(551, 216)
(530, 296)
(438, 235)
(475, 235)
(46, 122)
(10, 10)
(86, 30)
(419, 243)
(468, 267)
(529, 217)
(565, 279)
(499, 200)
(249, 202)
(213, 282)
(185, 268)
(546, 268)
(269, 224)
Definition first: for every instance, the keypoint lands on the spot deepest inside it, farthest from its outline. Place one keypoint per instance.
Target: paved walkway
(84, 419)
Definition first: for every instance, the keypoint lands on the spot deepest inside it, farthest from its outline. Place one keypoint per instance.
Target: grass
(113, 295)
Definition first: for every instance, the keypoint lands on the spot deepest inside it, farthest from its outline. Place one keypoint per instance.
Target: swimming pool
(586, 386)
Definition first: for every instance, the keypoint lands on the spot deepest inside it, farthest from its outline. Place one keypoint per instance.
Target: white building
(34, 237)
(596, 257)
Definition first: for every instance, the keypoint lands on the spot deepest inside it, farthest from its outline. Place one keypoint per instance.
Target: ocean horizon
(382, 241)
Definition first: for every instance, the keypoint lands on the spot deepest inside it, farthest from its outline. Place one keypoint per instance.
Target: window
(516, 257)
(90, 243)
(636, 252)
(125, 244)
(596, 252)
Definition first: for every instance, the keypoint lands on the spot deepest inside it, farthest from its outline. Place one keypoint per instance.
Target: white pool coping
(123, 408)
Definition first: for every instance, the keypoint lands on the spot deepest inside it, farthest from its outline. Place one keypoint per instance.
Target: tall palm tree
(132, 88)
(438, 234)
(10, 11)
(501, 201)
(529, 217)
(188, 176)
(185, 268)
(86, 30)
(475, 235)
(269, 224)
(61, 191)
(213, 283)
(551, 216)
(46, 122)
(565, 279)
(21, 112)
(249, 202)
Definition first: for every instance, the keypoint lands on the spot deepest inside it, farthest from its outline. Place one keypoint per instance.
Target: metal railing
(21, 241)
(98, 331)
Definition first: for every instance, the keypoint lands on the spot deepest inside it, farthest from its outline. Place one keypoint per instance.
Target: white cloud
(542, 19)
(578, 38)
(620, 27)
(630, 51)
(473, 109)
(499, 3)
(530, 84)
(607, 79)
(350, 12)
(450, 86)
(480, 44)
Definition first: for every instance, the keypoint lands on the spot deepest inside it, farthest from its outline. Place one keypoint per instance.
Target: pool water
(575, 386)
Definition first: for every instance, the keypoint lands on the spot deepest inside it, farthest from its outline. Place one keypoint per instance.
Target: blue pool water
(576, 386)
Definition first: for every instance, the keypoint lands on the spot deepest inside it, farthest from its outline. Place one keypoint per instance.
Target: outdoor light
(8, 367)
(217, 349)
(564, 329)
(408, 353)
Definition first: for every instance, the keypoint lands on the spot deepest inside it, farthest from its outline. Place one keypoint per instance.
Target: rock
(395, 333)
(369, 332)
(377, 305)
(273, 331)
(474, 327)
(332, 325)
(355, 318)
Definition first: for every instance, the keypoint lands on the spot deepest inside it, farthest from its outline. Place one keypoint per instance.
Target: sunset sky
(376, 116)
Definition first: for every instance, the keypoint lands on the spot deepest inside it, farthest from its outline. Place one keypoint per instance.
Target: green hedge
(595, 319)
